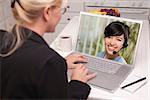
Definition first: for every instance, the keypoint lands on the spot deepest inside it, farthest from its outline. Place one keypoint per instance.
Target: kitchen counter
(141, 66)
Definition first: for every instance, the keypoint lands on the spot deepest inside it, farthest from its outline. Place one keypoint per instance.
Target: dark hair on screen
(117, 29)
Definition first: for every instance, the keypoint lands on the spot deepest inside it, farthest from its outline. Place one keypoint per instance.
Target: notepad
(134, 87)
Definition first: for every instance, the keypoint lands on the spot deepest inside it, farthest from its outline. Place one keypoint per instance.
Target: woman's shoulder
(43, 52)
(121, 60)
(37, 45)
(36, 52)
(101, 54)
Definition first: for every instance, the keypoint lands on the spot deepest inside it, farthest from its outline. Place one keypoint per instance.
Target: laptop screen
(108, 37)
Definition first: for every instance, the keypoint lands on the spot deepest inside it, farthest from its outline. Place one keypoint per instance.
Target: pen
(139, 80)
(80, 62)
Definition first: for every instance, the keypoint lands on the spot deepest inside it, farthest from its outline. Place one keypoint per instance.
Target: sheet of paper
(134, 87)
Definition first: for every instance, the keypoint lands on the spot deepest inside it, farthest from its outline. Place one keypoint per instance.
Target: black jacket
(37, 71)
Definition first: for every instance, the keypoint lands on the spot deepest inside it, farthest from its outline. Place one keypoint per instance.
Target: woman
(115, 38)
(30, 68)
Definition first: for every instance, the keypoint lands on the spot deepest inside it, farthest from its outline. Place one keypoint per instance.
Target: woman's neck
(107, 56)
(36, 29)
(38, 26)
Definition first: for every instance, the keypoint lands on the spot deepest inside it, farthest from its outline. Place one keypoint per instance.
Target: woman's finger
(91, 76)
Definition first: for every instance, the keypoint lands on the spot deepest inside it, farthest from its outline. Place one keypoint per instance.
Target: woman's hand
(81, 73)
(72, 58)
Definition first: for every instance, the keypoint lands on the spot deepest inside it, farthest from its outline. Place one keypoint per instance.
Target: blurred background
(135, 9)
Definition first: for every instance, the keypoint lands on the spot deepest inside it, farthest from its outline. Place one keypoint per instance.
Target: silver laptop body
(110, 74)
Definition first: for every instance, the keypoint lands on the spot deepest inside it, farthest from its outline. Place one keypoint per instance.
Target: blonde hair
(28, 11)
(14, 39)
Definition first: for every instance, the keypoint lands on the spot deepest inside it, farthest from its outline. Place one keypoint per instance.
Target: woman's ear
(47, 13)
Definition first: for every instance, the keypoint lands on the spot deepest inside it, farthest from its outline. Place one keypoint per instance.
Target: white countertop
(140, 70)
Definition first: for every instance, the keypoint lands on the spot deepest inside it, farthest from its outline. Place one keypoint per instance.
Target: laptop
(91, 42)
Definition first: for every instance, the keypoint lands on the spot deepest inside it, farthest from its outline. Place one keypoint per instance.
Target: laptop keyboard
(102, 65)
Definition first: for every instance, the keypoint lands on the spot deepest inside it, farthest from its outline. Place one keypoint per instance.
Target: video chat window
(92, 40)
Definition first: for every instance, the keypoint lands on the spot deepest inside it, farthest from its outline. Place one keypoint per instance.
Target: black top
(37, 71)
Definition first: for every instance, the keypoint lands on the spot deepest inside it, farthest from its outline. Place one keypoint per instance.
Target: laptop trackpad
(106, 81)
